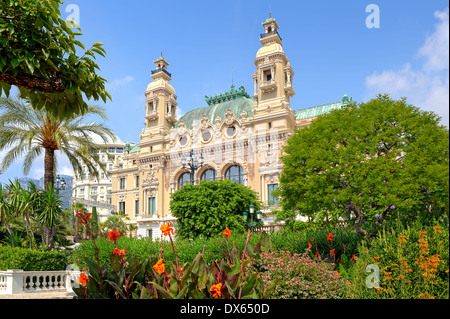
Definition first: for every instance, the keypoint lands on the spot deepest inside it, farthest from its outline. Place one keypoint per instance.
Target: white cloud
(119, 82)
(428, 87)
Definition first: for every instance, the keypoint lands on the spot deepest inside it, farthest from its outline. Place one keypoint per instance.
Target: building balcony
(270, 33)
(172, 118)
(161, 70)
(153, 115)
(267, 86)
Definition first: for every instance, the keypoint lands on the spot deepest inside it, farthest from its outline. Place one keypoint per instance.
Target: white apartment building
(96, 191)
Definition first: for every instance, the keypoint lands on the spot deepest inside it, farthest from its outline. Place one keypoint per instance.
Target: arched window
(209, 175)
(183, 180)
(235, 174)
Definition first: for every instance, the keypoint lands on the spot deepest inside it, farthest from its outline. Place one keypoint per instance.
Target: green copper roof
(135, 149)
(322, 109)
(130, 149)
(236, 100)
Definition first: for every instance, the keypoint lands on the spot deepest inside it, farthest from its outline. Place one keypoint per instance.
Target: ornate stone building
(236, 136)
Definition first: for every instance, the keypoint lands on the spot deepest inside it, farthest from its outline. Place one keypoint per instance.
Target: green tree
(6, 213)
(24, 130)
(115, 222)
(25, 202)
(50, 212)
(39, 56)
(208, 208)
(94, 223)
(368, 159)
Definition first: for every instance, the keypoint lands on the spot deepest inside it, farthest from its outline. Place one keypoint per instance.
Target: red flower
(216, 290)
(330, 237)
(309, 245)
(166, 229)
(119, 252)
(88, 216)
(353, 258)
(159, 267)
(83, 279)
(332, 252)
(113, 235)
(226, 232)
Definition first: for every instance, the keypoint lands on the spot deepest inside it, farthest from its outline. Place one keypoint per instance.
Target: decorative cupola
(273, 76)
(271, 32)
(161, 100)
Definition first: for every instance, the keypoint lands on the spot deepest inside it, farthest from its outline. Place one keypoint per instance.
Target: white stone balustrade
(17, 281)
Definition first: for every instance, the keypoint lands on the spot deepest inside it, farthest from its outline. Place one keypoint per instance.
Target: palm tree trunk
(49, 166)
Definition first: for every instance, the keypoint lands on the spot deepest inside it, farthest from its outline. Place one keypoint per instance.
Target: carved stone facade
(240, 138)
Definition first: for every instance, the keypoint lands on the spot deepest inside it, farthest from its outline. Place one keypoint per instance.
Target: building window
(120, 150)
(137, 181)
(150, 233)
(231, 131)
(235, 174)
(183, 180)
(122, 183)
(122, 206)
(136, 207)
(273, 200)
(151, 205)
(209, 175)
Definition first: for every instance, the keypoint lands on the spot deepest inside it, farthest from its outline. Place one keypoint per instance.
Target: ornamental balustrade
(17, 281)
(163, 70)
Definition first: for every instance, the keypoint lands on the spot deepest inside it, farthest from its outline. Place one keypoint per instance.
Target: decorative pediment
(229, 117)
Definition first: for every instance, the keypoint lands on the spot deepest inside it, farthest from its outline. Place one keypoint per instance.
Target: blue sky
(209, 44)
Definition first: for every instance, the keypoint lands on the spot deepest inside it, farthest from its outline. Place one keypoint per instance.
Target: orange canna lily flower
(166, 229)
(332, 252)
(226, 232)
(119, 252)
(217, 290)
(113, 235)
(330, 237)
(309, 245)
(83, 279)
(160, 267)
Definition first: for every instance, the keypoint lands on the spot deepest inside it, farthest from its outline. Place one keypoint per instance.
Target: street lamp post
(252, 222)
(193, 163)
(60, 183)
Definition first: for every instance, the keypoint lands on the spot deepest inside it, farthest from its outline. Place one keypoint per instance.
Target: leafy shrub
(299, 276)
(207, 208)
(413, 262)
(32, 260)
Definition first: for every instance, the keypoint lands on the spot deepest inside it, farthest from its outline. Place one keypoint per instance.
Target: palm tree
(24, 202)
(5, 213)
(49, 213)
(26, 131)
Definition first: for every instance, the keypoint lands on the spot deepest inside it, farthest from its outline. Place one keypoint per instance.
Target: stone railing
(19, 281)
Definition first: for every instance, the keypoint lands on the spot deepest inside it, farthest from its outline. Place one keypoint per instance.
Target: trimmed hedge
(32, 260)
